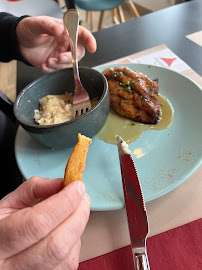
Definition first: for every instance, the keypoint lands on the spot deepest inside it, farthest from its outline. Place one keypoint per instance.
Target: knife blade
(135, 207)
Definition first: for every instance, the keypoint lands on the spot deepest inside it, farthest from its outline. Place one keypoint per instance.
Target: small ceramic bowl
(59, 82)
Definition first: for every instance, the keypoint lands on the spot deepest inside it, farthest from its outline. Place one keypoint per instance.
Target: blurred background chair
(102, 5)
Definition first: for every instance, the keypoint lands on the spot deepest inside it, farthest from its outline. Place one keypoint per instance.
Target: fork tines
(81, 108)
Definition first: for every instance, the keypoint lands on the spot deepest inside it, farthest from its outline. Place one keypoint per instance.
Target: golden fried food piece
(77, 161)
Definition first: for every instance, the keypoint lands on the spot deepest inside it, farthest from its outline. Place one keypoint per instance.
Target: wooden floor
(108, 16)
(8, 79)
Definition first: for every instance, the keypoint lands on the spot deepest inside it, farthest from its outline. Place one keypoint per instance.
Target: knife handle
(141, 261)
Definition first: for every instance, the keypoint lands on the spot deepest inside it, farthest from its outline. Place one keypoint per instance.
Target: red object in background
(168, 61)
(13, 0)
(176, 249)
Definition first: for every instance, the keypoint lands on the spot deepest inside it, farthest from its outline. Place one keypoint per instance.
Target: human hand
(41, 224)
(44, 43)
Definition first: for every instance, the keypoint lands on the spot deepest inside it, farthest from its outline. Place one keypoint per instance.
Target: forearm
(8, 44)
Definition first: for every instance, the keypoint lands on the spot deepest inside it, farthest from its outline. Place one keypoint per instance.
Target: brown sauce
(130, 130)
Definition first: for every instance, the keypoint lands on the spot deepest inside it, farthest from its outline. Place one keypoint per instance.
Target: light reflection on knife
(135, 207)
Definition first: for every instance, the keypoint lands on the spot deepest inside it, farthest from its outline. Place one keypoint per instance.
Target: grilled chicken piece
(133, 94)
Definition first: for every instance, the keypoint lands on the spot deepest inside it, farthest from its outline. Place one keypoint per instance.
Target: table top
(169, 26)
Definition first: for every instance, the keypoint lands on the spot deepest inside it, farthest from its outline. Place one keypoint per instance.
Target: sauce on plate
(130, 130)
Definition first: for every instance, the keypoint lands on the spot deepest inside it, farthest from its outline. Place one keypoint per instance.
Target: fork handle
(71, 22)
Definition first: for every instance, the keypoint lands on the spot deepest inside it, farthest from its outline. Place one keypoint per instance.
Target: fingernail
(65, 58)
(52, 63)
(80, 187)
(46, 69)
(87, 198)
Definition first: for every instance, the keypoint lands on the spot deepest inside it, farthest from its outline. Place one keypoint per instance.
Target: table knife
(135, 207)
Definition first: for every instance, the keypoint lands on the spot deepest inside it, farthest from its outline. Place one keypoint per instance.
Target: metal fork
(81, 99)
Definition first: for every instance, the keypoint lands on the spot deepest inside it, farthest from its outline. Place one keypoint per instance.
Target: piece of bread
(77, 161)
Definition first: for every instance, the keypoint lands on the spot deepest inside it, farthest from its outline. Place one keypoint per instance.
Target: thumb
(45, 25)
